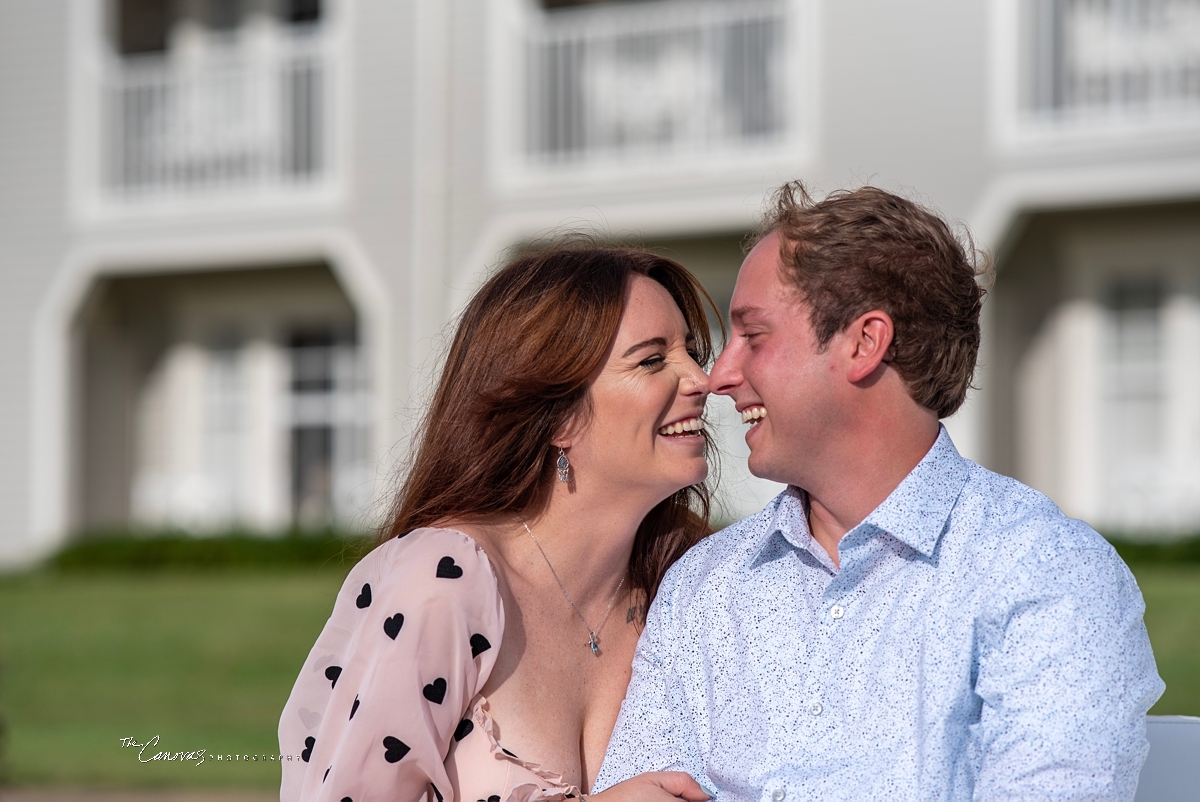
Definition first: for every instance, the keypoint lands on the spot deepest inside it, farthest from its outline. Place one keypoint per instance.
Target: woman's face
(643, 434)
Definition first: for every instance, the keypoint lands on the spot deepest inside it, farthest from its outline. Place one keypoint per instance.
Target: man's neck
(864, 473)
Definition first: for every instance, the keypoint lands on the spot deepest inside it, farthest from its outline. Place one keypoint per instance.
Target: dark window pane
(312, 476)
(302, 10)
(142, 26)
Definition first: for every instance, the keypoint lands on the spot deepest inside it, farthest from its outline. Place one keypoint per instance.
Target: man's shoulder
(1001, 515)
(724, 551)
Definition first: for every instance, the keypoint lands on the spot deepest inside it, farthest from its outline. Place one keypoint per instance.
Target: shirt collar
(915, 513)
(917, 510)
(789, 520)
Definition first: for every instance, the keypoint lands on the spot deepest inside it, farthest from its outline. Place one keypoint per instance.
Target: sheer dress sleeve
(413, 637)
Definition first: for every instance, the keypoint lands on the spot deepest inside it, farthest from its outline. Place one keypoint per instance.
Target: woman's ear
(572, 428)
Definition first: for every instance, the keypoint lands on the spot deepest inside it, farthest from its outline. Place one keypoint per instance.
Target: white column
(266, 455)
(148, 484)
(186, 485)
(1038, 414)
(1059, 406)
(1080, 348)
(1181, 329)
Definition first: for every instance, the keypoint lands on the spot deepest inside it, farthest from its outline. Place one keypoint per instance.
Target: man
(900, 623)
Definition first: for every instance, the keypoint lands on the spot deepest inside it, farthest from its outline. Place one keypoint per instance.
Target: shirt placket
(815, 714)
(833, 617)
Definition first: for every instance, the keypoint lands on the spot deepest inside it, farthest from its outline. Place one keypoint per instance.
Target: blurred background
(233, 233)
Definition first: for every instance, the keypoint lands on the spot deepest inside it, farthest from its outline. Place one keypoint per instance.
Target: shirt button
(778, 794)
(837, 611)
(816, 709)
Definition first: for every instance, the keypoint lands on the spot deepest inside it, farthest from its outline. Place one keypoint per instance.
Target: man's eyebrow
(739, 312)
(659, 341)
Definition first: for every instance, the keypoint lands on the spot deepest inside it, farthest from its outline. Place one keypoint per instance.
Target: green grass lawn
(206, 661)
(1172, 595)
(203, 660)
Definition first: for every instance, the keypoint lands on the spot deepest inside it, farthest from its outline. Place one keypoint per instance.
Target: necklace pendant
(594, 644)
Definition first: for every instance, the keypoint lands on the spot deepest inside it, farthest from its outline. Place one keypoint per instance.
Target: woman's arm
(413, 637)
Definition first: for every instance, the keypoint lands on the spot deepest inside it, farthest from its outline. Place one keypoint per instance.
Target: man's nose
(726, 373)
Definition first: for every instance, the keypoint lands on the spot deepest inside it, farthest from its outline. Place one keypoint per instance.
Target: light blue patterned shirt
(976, 643)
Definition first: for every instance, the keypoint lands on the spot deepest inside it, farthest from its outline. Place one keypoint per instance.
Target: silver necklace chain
(593, 634)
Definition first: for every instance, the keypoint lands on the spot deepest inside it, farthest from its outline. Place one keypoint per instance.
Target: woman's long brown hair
(520, 366)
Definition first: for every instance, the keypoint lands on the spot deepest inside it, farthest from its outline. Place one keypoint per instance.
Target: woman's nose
(696, 382)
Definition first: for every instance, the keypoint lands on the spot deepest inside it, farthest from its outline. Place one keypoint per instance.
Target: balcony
(673, 80)
(1108, 65)
(245, 111)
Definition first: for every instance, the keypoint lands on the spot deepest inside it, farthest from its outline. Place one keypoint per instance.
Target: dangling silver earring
(564, 467)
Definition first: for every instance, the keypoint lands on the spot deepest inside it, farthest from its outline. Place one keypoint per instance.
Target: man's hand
(654, 786)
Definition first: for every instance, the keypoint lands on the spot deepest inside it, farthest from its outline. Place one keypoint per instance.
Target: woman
(559, 472)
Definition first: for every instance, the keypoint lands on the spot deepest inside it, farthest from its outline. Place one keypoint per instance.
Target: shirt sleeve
(650, 734)
(1066, 676)
(413, 637)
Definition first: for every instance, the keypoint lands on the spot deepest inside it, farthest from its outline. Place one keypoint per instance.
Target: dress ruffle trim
(553, 787)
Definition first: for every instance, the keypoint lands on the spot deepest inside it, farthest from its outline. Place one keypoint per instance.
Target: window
(1112, 57)
(1134, 401)
(329, 428)
(652, 79)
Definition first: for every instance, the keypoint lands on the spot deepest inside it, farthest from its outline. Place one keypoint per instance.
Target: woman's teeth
(689, 426)
(751, 414)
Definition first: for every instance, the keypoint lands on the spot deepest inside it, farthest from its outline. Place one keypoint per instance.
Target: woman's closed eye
(654, 361)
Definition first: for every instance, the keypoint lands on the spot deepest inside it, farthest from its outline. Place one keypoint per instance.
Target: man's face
(772, 369)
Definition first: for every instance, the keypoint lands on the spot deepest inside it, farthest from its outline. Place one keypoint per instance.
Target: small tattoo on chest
(635, 613)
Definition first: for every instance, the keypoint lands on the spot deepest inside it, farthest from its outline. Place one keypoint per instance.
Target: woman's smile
(687, 428)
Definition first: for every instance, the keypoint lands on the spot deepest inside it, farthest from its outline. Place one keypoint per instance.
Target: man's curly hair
(863, 249)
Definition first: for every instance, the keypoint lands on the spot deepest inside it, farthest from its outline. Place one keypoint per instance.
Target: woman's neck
(587, 541)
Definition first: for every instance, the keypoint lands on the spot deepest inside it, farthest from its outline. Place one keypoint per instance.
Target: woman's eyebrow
(661, 342)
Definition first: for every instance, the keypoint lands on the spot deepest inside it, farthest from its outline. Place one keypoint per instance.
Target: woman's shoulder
(444, 545)
(423, 565)
(412, 639)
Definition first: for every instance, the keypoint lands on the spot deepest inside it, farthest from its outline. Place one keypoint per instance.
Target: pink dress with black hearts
(387, 707)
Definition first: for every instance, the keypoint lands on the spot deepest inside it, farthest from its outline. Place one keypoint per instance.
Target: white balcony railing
(1112, 61)
(667, 77)
(245, 112)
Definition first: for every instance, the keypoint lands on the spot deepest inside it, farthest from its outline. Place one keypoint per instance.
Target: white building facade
(233, 232)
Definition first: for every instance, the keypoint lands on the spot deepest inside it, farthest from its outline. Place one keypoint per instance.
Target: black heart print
(392, 625)
(309, 743)
(326, 776)
(354, 707)
(447, 569)
(347, 799)
(332, 673)
(435, 691)
(436, 792)
(394, 749)
(364, 598)
(463, 729)
(479, 645)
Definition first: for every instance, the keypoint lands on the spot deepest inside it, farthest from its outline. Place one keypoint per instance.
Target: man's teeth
(679, 427)
(753, 413)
